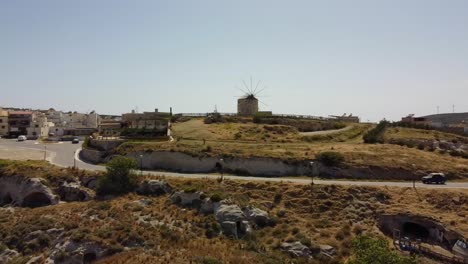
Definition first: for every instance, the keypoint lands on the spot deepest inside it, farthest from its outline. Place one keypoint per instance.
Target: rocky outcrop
(257, 216)
(296, 249)
(7, 255)
(233, 221)
(208, 206)
(25, 192)
(71, 252)
(420, 227)
(73, 191)
(187, 198)
(327, 250)
(153, 187)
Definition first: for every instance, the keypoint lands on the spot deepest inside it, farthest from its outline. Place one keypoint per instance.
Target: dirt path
(326, 132)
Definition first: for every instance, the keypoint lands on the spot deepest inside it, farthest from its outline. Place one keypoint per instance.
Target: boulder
(71, 252)
(7, 254)
(208, 206)
(232, 220)
(186, 198)
(73, 191)
(90, 182)
(296, 249)
(153, 187)
(327, 250)
(25, 192)
(257, 216)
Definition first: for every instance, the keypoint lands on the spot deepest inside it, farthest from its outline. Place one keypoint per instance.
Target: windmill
(247, 105)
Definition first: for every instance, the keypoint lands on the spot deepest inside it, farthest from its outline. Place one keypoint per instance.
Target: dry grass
(396, 133)
(164, 233)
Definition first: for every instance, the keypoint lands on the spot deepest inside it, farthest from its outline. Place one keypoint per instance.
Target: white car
(21, 138)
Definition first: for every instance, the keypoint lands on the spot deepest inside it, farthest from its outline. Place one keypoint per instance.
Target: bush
(120, 177)
(375, 135)
(330, 158)
(369, 250)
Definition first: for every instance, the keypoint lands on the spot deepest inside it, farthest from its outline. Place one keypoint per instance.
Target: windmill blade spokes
(262, 103)
(246, 87)
(256, 86)
(242, 90)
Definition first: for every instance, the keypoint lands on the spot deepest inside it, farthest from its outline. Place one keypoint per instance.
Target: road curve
(67, 155)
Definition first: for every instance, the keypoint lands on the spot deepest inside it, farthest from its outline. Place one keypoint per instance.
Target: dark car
(75, 141)
(434, 178)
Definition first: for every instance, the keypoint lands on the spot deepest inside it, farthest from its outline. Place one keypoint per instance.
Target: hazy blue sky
(372, 58)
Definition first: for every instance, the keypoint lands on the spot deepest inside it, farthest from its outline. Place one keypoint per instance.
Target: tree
(370, 250)
(120, 177)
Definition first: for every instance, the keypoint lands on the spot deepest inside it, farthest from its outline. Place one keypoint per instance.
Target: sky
(375, 59)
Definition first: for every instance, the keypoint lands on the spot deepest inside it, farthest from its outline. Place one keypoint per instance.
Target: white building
(39, 126)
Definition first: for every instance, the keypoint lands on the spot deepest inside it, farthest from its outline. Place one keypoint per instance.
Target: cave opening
(416, 231)
(89, 257)
(7, 199)
(36, 199)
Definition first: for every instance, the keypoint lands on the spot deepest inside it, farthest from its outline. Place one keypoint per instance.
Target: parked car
(75, 141)
(21, 138)
(434, 178)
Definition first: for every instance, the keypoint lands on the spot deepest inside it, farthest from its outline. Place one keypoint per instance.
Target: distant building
(110, 128)
(39, 126)
(4, 123)
(156, 121)
(345, 118)
(421, 121)
(19, 122)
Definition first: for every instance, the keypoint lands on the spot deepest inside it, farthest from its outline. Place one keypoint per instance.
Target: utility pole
(45, 151)
(74, 161)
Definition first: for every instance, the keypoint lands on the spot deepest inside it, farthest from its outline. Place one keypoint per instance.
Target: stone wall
(93, 156)
(105, 145)
(181, 162)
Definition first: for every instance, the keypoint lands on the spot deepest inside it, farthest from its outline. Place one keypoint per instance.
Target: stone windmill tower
(247, 105)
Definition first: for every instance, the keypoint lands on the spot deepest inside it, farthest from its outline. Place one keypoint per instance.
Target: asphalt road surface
(65, 154)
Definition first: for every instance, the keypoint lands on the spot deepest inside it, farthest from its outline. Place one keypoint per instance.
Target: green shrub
(369, 250)
(120, 177)
(216, 197)
(330, 158)
(375, 135)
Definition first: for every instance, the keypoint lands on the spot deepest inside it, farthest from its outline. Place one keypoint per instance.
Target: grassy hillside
(420, 134)
(284, 142)
(330, 215)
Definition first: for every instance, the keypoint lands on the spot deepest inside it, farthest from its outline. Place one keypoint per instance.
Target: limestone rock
(73, 191)
(153, 187)
(296, 249)
(7, 254)
(257, 216)
(187, 198)
(327, 250)
(25, 192)
(71, 252)
(232, 220)
(208, 206)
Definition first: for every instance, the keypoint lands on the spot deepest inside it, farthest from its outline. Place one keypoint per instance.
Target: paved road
(65, 154)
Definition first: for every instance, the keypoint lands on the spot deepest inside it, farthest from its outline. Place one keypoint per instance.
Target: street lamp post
(45, 151)
(222, 169)
(74, 161)
(311, 164)
(141, 165)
